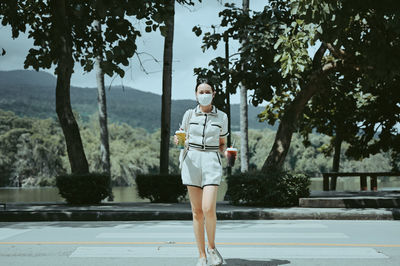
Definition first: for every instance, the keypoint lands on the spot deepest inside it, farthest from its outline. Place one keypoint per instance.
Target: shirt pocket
(215, 128)
(195, 128)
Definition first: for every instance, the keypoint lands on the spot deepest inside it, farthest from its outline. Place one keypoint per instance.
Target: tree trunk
(166, 96)
(286, 128)
(336, 156)
(288, 124)
(244, 123)
(64, 71)
(102, 106)
(228, 101)
(336, 159)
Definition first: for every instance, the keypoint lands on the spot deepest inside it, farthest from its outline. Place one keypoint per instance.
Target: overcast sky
(187, 52)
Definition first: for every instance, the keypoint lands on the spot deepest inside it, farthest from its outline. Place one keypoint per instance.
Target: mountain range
(32, 93)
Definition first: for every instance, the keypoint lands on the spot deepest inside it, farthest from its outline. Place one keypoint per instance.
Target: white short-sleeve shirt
(205, 129)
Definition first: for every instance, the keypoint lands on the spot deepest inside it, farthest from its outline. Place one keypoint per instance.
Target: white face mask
(205, 99)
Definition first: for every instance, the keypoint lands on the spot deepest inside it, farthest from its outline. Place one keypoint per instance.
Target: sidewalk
(352, 199)
(51, 211)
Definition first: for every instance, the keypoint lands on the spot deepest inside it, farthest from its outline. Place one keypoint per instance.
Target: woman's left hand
(226, 154)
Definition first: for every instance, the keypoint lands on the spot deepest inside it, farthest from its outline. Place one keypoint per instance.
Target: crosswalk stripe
(221, 225)
(231, 252)
(267, 226)
(9, 232)
(300, 253)
(224, 235)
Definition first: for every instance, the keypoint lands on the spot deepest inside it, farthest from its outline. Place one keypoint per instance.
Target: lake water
(129, 194)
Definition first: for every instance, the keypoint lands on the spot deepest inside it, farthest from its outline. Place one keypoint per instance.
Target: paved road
(171, 243)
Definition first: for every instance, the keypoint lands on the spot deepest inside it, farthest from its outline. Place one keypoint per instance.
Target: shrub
(273, 189)
(89, 188)
(46, 181)
(161, 187)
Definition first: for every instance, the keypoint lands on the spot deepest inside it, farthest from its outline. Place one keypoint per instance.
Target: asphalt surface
(244, 242)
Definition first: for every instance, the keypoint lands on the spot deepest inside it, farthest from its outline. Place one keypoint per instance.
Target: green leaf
(197, 31)
(294, 7)
(125, 62)
(326, 8)
(278, 42)
(277, 57)
(120, 72)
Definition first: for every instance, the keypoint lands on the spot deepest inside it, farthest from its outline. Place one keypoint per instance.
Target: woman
(207, 128)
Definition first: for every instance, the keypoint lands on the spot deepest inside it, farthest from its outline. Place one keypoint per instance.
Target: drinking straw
(233, 144)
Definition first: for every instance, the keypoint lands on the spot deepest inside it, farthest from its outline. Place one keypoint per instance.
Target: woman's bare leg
(196, 196)
(209, 210)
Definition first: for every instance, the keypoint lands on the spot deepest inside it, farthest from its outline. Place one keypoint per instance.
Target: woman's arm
(223, 135)
(222, 145)
(183, 126)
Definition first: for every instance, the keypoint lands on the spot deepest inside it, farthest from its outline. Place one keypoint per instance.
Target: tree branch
(328, 67)
(346, 59)
(316, 62)
(339, 53)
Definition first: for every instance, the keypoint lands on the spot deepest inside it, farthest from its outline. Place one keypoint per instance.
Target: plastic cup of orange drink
(181, 134)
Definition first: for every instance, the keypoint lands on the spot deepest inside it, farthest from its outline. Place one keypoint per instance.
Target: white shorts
(201, 168)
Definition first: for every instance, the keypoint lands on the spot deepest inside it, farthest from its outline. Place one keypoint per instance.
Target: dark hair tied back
(201, 80)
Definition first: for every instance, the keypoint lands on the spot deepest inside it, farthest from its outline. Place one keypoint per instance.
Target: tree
(333, 113)
(63, 45)
(63, 34)
(168, 32)
(30, 148)
(354, 40)
(350, 32)
(166, 88)
(244, 121)
(102, 107)
(228, 100)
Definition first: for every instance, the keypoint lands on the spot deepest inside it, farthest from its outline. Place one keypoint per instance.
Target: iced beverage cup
(181, 138)
(231, 155)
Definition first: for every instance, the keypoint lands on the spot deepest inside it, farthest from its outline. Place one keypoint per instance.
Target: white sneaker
(202, 262)
(215, 257)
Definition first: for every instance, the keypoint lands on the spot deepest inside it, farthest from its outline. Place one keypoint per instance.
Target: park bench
(363, 179)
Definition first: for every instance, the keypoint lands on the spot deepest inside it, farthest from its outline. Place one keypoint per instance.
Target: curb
(353, 202)
(252, 214)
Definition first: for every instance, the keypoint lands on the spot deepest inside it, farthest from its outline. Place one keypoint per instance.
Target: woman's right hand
(176, 140)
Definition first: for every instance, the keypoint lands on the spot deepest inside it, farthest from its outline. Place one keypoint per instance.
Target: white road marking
(138, 252)
(231, 252)
(267, 226)
(223, 235)
(9, 232)
(222, 225)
